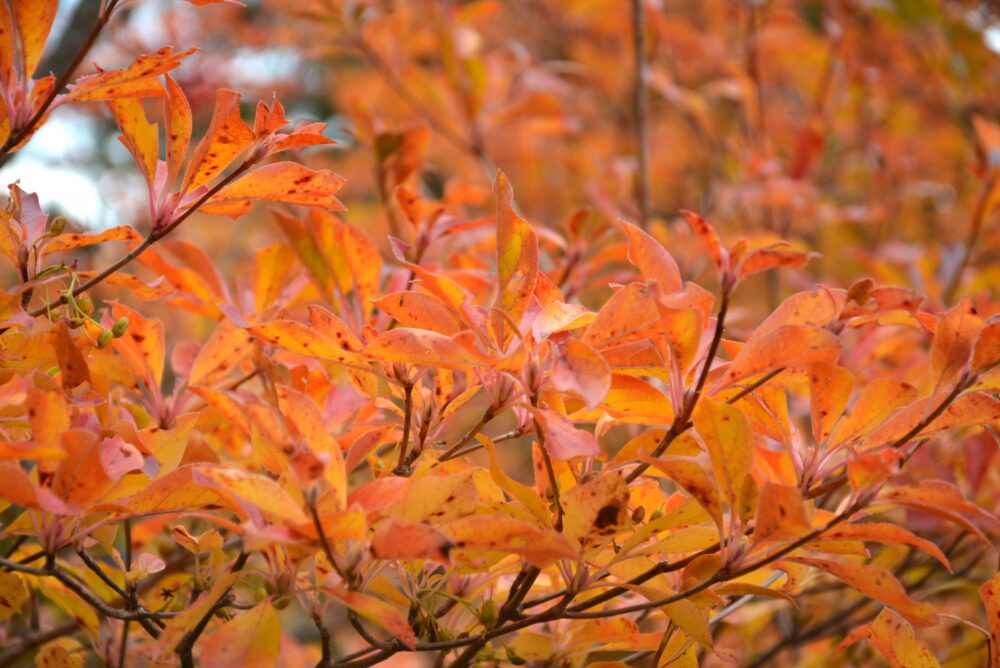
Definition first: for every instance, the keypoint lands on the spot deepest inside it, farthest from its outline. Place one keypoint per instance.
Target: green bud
(120, 327)
(104, 339)
(84, 303)
(657, 514)
(57, 225)
(75, 322)
(489, 613)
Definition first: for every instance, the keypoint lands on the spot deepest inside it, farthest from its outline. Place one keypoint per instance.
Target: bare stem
(640, 102)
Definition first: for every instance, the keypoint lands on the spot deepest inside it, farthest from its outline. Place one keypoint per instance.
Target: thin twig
(640, 102)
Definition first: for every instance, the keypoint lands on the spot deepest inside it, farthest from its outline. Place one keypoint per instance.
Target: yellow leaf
(517, 253)
(257, 490)
(595, 510)
(13, 594)
(895, 639)
(252, 639)
(61, 653)
(726, 434)
(140, 137)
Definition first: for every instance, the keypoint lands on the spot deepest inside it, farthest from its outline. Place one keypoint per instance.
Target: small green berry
(120, 327)
(104, 339)
(57, 225)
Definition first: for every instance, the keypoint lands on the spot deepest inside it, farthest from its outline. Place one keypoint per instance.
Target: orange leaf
(143, 345)
(286, 182)
(34, 21)
(878, 584)
(883, 532)
(652, 259)
(251, 639)
(769, 258)
(709, 238)
(788, 345)
(895, 639)
(954, 337)
(970, 408)
(507, 535)
(562, 440)
(943, 499)
(377, 611)
(420, 346)
(136, 80)
(781, 514)
(629, 310)
(226, 138)
(394, 540)
(302, 412)
(582, 370)
(305, 340)
(419, 310)
(78, 240)
(178, 128)
(830, 388)
(990, 593)
(225, 349)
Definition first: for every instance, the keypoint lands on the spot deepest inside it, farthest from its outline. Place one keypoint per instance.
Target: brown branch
(640, 102)
(683, 421)
(154, 235)
(185, 648)
(404, 442)
(453, 451)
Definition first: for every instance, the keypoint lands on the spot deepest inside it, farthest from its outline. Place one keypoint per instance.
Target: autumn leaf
(652, 259)
(785, 346)
(138, 80)
(394, 540)
(377, 611)
(989, 592)
(517, 253)
(582, 370)
(539, 546)
(250, 639)
(895, 639)
(878, 584)
(286, 182)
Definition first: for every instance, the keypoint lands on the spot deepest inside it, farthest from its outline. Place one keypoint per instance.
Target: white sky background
(62, 162)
